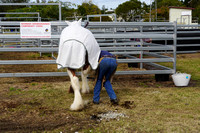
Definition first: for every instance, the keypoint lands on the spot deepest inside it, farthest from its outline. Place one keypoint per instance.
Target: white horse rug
(75, 41)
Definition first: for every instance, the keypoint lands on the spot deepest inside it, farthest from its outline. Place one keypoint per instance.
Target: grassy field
(42, 104)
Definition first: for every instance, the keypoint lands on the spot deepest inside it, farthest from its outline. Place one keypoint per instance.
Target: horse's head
(74, 23)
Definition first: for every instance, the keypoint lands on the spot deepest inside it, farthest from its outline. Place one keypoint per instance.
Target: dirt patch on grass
(37, 120)
(26, 111)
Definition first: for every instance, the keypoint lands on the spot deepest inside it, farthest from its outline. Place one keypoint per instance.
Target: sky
(108, 3)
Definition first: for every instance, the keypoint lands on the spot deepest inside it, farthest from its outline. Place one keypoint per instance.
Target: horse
(78, 49)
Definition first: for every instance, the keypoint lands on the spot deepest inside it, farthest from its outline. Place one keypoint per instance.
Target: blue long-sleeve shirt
(105, 54)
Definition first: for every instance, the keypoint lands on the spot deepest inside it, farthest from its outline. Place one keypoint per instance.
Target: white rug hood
(74, 42)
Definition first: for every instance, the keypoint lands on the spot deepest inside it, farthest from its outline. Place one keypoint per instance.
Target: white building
(183, 15)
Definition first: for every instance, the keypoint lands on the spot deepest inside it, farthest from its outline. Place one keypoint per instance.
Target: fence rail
(129, 46)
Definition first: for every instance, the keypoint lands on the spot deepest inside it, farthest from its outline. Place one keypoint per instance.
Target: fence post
(175, 42)
(141, 45)
(60, 15)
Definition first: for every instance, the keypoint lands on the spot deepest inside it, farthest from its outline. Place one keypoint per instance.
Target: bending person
(107, 67)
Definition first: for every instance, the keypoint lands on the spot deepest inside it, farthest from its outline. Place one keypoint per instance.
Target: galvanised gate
(131, 42)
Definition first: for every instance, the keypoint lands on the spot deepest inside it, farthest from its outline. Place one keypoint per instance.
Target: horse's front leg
(78, 101)
(84, 74)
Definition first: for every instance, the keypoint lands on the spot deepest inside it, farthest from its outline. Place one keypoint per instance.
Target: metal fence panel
(129, 46)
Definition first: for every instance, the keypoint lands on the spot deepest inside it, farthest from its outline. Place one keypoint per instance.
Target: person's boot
(114, 101)
(95, 102)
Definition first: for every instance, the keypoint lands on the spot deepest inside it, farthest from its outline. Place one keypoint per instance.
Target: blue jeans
(106, 67)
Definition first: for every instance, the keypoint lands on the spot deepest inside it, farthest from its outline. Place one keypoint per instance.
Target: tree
(167, 3)
(88, 8)
(186, 3)
(14, 1)
(196, 5)
(50, 12)
(129, 9)
(192, 3)
(6, 8)
(163, 7)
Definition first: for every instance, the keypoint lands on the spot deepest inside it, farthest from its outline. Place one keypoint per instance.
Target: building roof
(190, 8)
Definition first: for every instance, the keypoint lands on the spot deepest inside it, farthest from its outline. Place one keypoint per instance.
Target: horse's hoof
(85, 91)
(74, 107)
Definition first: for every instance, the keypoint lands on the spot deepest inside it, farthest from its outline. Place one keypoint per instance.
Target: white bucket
(181, 79)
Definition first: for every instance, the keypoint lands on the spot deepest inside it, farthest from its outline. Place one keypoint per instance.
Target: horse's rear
(78, 49)
(78, 102)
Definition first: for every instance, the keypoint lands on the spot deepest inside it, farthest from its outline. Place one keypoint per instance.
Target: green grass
(190, 66)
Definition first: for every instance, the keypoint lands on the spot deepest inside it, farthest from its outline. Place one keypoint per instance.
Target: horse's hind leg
(78, 101)
(84, 74)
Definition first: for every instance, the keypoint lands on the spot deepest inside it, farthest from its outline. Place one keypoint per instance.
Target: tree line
(131, 10)
(159, 9)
